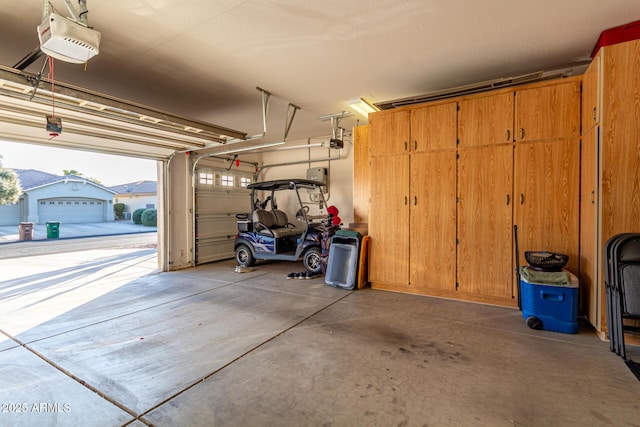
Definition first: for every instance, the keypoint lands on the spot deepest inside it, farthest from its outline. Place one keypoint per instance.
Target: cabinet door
(486, 120)
(547, 185)
(389, 220)
(485, 254)
(590, 95)
(434, 127)
(433, 220)
(548, 112)
(589, 288)
(389, 133)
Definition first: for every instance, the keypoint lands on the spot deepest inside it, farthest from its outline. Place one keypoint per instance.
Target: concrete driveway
(9, 233)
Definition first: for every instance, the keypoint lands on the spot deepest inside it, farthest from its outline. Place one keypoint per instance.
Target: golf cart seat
(265, 223)
(282, 220)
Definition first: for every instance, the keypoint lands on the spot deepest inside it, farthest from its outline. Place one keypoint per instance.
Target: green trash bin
(53, 229)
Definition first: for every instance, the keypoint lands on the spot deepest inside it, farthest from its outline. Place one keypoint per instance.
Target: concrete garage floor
(99, 338)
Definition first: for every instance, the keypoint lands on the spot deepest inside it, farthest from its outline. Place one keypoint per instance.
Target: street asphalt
(10, 233)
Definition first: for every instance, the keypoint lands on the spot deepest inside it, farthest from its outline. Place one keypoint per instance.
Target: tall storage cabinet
(458, 174)
(610, 154)
(389, 210)
(412, 219)
(432, 224)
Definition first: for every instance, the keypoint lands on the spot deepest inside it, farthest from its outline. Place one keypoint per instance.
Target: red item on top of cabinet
(623, 33)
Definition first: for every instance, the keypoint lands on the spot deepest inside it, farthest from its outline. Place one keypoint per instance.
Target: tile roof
(137, 187)
(31, 178)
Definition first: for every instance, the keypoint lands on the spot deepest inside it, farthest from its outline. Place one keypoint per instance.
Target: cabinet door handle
(415, 145)
(507, 200)
(521, 133)
(415, 200)
(593, 197)
(593, 113)
(405, 200)
(521, 198)
(406, 146)
(508, 135)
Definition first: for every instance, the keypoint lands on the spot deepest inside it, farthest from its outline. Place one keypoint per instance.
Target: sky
(110, 170)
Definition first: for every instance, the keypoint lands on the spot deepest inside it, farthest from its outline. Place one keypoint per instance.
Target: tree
(10, 189)
(66, 172)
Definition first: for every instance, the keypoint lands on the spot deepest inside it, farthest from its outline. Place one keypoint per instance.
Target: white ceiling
(204, 59)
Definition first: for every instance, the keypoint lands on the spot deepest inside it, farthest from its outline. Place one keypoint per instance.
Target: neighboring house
(136, 195)
(68, 199)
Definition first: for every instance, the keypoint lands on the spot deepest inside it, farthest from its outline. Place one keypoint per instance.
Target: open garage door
(97, 122)
(220, 194)
(100, 123)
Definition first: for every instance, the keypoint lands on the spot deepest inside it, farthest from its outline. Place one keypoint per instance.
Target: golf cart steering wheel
(302, 212)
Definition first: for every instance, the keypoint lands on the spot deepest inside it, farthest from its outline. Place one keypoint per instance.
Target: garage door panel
(222, 202)
(216, 225)
(215, 249)
(216, 208)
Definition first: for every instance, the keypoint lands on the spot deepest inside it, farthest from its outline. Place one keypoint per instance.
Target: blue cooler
(549, 300)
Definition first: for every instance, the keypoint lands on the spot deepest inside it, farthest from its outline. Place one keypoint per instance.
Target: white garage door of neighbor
(71, 211)
(220, 195)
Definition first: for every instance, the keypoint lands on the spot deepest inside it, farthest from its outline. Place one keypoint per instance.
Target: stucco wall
(136, 201)
(10, 214)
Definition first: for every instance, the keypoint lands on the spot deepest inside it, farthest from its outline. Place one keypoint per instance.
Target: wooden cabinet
(449, 179)
(546, 191)
(433, 221)
(390, 132)
(361, 174)
(389, 219)
(434, 127)
(548, 112)
(590, 115)
(589, 296)
(619, 156)
(486, 120)
(485, 222)
(412, 211)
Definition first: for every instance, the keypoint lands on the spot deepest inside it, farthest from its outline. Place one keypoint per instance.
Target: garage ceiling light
(362, 107)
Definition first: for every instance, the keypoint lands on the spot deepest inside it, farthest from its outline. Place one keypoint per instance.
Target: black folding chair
(626, 288)
(611, 293)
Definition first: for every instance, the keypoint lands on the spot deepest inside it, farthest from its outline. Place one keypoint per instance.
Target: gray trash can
(344, 254)
(25, 231)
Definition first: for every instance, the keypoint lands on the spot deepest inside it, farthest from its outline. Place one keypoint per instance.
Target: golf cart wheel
(534, 323)
(244, 256)
(312, 260)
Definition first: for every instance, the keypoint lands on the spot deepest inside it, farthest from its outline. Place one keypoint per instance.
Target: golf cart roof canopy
(284, 184)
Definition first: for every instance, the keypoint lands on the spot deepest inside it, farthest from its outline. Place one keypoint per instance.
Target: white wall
(340, 171)
(136, 201)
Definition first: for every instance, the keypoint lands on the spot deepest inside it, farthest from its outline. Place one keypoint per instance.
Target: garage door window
(227, 180)
(244, 181)
(206, 178)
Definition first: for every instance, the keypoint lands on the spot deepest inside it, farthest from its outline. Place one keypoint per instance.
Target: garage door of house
(71, 211)
(220, 195)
